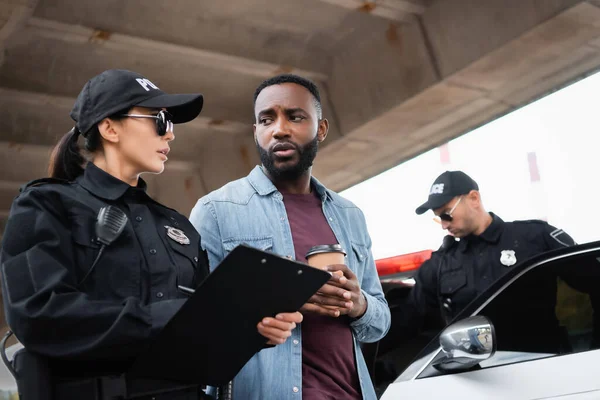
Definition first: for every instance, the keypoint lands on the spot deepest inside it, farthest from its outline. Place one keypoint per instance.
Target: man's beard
(306, 154)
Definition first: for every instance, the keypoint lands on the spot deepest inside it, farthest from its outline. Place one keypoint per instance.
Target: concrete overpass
(398, 77)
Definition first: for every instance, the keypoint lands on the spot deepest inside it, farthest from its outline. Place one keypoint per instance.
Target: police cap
(118, 89)
(446, 187)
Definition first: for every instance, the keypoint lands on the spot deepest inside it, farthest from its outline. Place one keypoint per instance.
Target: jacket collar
(491, 234)
(264, 186)
(105, 186)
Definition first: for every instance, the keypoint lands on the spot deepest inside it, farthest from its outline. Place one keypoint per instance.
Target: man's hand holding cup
(341, 295)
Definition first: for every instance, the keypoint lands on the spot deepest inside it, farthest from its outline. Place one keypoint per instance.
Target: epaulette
(533, 223)
(42, 181)
(530, 221)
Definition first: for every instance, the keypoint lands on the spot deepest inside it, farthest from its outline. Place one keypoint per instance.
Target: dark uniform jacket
(461, 270)
(50, 244)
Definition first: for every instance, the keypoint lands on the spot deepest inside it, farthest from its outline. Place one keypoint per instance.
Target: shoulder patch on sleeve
(562, 237)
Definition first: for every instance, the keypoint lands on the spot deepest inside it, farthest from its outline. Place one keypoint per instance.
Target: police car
(501, 348)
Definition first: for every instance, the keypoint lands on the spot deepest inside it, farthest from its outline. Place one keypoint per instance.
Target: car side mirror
(466, 343)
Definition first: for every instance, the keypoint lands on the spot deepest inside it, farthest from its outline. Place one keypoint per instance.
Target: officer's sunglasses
(164, 121)
(447, 216)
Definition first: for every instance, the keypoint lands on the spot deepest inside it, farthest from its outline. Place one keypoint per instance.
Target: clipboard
(214, 334)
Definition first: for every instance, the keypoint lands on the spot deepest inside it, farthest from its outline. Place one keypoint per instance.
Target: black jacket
(461, 270)
(50, 244)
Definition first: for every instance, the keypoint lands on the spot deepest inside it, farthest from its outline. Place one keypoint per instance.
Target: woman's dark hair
(67, 161)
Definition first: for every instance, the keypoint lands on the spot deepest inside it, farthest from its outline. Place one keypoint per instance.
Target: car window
(548, 310)
(544, 311)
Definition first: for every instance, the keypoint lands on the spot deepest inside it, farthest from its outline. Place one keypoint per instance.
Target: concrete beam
(463, 31)
(41, 119)
(394, 66)
(546, 45)
(151, 48)
(8, 191)
(36, 157)
(287, 34)
(65, 103)
(13, 15)
(45, 65)
(395, 10)
(423, 112)
(222, 162)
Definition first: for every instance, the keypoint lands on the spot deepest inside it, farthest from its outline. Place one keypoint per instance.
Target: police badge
(177, 235)
(508, 257)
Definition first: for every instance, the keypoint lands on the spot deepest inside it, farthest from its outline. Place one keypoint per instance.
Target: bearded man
(280, 207)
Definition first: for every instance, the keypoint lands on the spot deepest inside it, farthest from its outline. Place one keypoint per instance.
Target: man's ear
(109, 130)
(323, 129)
(474, 198)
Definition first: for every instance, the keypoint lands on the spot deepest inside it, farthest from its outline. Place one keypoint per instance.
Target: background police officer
(480, 249)
(487, 247)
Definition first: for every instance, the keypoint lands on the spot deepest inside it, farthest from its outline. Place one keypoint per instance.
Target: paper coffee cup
(323, 255)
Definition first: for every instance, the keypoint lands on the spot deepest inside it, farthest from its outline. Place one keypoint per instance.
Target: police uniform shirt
(50, 244)
(463, 269)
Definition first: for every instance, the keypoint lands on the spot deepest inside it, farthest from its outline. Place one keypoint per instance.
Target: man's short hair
(298, 80)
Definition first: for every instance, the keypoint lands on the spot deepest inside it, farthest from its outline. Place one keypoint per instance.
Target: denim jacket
(251, 211)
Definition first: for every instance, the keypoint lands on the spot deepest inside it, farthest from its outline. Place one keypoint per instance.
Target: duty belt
(117, 387)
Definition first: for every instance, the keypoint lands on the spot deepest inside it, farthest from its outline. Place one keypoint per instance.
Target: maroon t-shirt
(328, 366)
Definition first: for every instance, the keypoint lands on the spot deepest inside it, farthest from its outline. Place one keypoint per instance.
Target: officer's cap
(446, 187)
(118, 89)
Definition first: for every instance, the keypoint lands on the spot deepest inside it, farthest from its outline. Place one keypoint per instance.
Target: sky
(561, 129)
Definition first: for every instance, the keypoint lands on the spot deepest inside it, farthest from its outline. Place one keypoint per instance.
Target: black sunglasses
(164, 121)
(447, 216)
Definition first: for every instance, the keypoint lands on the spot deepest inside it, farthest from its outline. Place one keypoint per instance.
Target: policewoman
(92, 265)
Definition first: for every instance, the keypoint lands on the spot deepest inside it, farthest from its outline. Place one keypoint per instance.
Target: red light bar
(403, 263)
